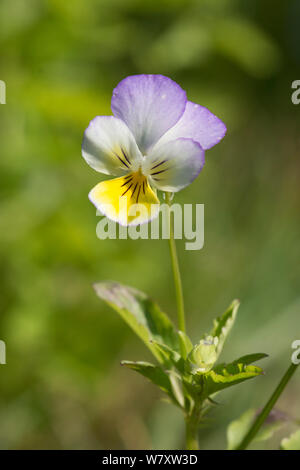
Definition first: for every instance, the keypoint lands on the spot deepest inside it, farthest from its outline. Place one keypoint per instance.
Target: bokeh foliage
(62, 386)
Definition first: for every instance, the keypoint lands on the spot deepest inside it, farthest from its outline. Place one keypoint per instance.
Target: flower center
(136, 183)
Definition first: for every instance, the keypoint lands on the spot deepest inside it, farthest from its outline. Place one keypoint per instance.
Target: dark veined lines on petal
(160, 163)
(136, 183)
(157, 179)
(158, 172)
(138, 195)
(127, 189)
(129, 179)
(125, 156)
(134, 189)
(142, 186)
(127, 165)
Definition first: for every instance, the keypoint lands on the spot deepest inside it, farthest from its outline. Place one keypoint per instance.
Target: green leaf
(154, 373)
(292, 442)
(172, 357)
(164, 380)
(238, 429)
(250, 358)
(177, 389)
(141, 314)
(223, 325)
(268, 430)
(227, 375)
(186, 344)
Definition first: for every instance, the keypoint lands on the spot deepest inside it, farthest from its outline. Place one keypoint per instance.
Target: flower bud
(203, 356)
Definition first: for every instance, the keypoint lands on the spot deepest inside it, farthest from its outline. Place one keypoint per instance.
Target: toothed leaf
(158, 377)
(141, 314)
(223, 325)
(227, 375)
(250, 358)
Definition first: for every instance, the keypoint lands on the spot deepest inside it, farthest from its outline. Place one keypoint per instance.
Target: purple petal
(149, 105)
(199, 124)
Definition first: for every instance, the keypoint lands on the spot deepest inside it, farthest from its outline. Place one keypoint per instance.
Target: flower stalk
(191, 428)
(191, 437)
(268, 408)
(176, 271)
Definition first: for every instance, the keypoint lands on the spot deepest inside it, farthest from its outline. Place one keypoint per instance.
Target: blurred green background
(62, 386)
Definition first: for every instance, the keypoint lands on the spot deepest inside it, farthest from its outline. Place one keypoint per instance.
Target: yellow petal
(128, 200)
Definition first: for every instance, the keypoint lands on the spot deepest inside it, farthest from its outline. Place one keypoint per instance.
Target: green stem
(268, 407)
(176, 272)
(191, 427)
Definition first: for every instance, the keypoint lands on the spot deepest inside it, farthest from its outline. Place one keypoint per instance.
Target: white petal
(109, 147)
(174, 165)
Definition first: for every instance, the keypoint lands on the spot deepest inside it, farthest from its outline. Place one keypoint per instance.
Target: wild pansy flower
(155, 140)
